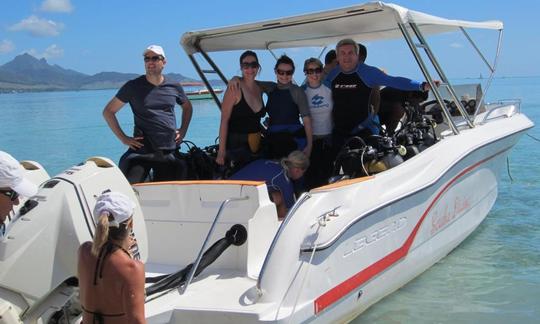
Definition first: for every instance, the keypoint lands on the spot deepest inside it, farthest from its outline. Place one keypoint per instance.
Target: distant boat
(202, 94)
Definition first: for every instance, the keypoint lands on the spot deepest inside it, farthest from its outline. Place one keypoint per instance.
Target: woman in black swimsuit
(241, 113)
(111, 281)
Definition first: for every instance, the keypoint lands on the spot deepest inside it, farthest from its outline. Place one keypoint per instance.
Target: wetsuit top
(153, 110)
(351, 93)
(320, 106)
(286, 102)
(106, 250)
(243, 119)
(273, 174)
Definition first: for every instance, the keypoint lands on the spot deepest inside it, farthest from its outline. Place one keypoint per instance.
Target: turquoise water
(492, 277)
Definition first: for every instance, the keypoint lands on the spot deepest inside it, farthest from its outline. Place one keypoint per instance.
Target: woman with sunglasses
(319, 98)
(12, 184)
(111, 279)
(286, 103)
(241, 113)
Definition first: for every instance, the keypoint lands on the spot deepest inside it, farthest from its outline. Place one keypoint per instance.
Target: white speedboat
(341, 247)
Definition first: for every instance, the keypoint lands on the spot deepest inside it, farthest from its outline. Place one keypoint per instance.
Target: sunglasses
(12, 194)
(247, 65)
(313, 71)
(283, 72)
(153, 58)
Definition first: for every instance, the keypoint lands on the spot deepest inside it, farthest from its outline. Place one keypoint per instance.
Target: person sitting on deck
(111, 280)
(279, 177)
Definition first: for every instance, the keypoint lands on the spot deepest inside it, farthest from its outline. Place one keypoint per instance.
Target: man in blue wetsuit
(152, 98)
(351, 83)
(279, 177)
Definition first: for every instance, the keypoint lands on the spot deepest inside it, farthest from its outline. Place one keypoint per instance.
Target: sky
(92, 36)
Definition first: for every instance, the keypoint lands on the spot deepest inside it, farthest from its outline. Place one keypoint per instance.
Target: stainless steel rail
(203, 247)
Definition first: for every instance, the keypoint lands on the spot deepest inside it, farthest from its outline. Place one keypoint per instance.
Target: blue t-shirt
(273, 174)
(153, 110)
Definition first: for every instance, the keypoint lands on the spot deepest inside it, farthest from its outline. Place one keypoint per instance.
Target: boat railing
(205, 243)
(422, 43)
(503, 108)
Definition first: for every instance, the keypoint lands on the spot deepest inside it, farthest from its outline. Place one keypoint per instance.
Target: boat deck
(231, 301)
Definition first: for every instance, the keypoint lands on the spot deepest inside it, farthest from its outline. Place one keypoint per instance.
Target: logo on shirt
(345, 86)
(317, 100)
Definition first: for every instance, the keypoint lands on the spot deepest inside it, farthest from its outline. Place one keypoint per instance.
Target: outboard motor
(38, 253)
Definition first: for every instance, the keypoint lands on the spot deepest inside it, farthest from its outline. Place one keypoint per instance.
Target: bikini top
(99, 318)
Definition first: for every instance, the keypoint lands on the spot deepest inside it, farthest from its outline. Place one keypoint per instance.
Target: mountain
(27, 73)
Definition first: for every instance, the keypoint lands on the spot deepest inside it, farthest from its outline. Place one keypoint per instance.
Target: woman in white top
(319, 98)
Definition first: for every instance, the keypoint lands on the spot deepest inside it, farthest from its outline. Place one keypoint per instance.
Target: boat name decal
(364, 240)
(445, 214)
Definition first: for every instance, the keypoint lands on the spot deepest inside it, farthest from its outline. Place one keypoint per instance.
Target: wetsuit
(351, 94)
(285, 105)
(107, 249)
(320, 106)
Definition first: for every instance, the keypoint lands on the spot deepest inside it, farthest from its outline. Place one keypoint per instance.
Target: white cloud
(57, 6)
(52, 51)
(38, 27)
(6, 46)
(456, 45)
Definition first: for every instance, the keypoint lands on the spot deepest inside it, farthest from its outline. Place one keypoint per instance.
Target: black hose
(236, 235)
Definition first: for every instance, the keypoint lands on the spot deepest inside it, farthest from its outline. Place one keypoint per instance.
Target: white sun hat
(156, 49)
(12, 176)
(118, 205)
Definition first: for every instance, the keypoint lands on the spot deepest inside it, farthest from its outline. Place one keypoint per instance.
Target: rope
(534, 138)
(508, 169)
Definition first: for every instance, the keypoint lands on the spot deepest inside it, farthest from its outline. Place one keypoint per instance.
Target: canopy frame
(408, 23)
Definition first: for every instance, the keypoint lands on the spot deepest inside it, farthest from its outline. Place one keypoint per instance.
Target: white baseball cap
(118, 205)
(156, 49)
(12, 176)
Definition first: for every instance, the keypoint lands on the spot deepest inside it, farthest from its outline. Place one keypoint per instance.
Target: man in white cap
(12, 184)
(152, 98)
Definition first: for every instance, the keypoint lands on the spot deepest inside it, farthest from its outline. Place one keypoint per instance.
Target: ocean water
(492, 277)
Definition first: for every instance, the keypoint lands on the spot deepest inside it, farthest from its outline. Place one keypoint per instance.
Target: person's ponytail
(102, 233)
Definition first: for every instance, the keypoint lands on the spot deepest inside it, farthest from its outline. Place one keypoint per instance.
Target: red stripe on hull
(344, 288)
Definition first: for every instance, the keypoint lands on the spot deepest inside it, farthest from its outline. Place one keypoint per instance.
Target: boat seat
(179, 214)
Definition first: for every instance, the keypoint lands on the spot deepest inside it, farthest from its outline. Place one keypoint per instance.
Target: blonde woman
(111, 281)
(279, 177)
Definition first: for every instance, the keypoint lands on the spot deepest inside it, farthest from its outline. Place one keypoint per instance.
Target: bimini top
(366, 22)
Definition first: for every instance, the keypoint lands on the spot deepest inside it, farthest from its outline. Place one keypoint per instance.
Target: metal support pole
(203, 247)
(205, 80)
(426, 74)
(441, 73)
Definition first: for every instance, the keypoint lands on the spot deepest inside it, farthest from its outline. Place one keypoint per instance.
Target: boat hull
(344, 247)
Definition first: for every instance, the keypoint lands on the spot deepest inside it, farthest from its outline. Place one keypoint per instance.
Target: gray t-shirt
(153, 110)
